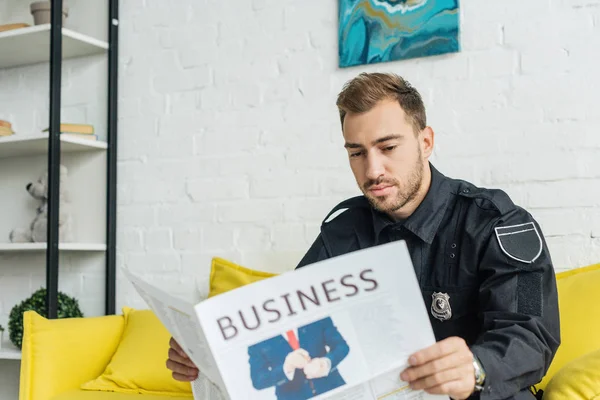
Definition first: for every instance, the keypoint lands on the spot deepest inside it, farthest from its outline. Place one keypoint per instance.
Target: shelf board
(33, 247)
(18, 146)
(31, 45)
(8, 351)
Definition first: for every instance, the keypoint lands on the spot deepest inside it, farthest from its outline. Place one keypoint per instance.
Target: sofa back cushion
(138, 366)
(59, 354)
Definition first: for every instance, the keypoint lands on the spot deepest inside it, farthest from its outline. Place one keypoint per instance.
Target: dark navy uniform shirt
(484, 270)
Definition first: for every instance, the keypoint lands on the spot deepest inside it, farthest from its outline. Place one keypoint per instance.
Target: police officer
(481, 261)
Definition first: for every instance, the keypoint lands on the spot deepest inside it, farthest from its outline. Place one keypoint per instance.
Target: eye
(356, 154)
(389, 148)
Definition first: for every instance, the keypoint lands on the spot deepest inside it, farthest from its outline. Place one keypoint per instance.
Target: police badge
(440, 306)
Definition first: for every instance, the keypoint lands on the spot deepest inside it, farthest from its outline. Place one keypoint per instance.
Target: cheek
(358, 170)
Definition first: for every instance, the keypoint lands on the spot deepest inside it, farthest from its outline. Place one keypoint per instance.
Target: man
(481, 261)
(300, 364)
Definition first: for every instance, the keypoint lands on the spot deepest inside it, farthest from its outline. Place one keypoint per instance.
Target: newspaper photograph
(342, 328)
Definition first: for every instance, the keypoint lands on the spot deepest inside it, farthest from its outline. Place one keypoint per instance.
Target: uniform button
(466, 190)
(452, 255)
(453, 245)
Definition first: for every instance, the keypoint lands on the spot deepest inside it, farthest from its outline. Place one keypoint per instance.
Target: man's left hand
(443, 368)
(317, 368)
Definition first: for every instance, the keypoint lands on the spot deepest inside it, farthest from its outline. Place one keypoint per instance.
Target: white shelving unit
(23, 157)
(22, 146)
(33, 247)
(31, 45)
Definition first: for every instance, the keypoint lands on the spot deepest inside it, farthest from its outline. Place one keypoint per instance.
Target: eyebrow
(377, 141)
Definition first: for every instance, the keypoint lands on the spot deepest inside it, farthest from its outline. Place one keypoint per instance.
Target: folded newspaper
(342, 328)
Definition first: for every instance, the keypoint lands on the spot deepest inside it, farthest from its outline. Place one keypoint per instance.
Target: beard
(405, 193)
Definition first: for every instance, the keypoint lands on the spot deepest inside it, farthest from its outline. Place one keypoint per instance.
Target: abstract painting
(374, 31)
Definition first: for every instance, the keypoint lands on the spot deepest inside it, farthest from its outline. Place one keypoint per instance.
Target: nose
(375, 167)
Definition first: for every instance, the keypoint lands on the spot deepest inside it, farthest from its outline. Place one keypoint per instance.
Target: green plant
(68, 307)
(1, 328)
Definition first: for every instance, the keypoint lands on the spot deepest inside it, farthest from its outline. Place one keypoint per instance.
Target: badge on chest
(440, 306)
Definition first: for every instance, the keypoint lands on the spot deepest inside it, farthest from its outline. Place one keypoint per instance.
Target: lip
(380, 190)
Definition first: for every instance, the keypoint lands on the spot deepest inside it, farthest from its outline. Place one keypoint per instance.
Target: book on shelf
(83, 129)
(10, 27)
(6, 128)
(6, 131)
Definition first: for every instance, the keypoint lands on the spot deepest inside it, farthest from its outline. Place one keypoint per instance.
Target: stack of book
(5, 128)
(77, 131)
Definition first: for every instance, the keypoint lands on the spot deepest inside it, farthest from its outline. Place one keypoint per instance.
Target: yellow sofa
(116, 358)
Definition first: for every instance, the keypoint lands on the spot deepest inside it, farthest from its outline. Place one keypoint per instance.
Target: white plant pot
(41, 12)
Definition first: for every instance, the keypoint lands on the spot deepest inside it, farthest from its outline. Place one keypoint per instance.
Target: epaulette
(492, 199)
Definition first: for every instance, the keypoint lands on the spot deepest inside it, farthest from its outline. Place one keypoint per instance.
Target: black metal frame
(54, 158)
(54, 155)
(111, 210)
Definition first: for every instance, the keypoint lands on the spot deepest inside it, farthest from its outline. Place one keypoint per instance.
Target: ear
(426, 141)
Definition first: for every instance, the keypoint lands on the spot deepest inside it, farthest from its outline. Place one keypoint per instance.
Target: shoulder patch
(520, 242)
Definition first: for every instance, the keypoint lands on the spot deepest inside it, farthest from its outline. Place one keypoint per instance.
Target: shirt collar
(425, 220)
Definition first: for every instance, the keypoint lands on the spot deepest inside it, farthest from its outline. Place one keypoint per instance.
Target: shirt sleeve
(518, 307)
(316, 252)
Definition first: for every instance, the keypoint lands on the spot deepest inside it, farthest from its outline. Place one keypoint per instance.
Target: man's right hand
(183, 368)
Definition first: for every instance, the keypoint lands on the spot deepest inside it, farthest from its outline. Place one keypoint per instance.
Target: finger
(183, 378)
(437, 350)
(450, 361)
(175, 346)
(175, 356)
(438, 379)
(304, 353)
(182, 370)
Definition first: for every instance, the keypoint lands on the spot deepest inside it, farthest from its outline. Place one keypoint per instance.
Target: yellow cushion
(578, 380)
(579, 316)
(139, 363)
(95, 395)
(225, 276)
(59, 354)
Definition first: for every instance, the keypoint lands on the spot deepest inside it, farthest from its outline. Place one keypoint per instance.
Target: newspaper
(339, 329)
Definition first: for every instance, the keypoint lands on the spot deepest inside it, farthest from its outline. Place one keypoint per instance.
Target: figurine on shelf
(37, 231)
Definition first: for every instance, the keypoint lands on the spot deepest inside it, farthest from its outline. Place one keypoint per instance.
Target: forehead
(386, 118)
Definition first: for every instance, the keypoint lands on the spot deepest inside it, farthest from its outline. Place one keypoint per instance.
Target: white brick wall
(230, 142)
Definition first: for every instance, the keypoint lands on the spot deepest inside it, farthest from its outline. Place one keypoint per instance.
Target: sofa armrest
(61, 354)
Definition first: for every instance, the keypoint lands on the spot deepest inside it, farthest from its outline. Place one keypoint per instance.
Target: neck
(407, 209)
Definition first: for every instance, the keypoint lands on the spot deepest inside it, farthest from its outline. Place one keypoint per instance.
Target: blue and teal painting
(374, 31)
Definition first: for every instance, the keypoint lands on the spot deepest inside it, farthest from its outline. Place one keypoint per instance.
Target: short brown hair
(364, 91)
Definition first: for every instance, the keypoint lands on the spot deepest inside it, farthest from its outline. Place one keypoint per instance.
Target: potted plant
(68, 307)
(1, 335)
(41, 12)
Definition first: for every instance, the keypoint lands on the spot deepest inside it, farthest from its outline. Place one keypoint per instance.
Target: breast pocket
(452, 312)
